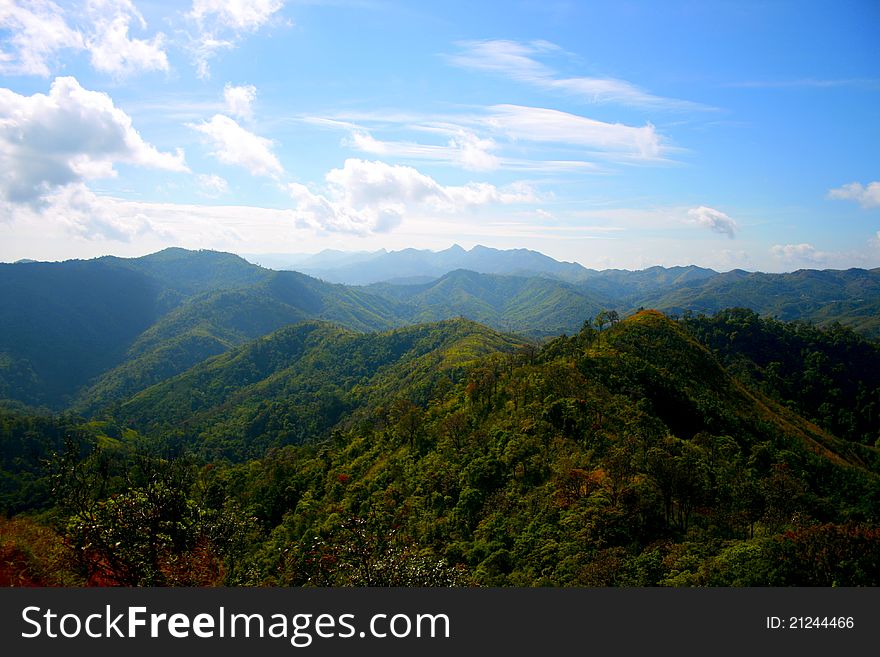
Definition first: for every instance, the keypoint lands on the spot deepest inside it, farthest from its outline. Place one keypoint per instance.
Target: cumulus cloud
(237, 146)
(40, 29)
(81, 213)
(714, 220)
(37, 31)
(519, 61)
(68, 136)
(112, 50)
(798, 252)
(239, 100)
(223, 23)
(868, 196)
(371, 196)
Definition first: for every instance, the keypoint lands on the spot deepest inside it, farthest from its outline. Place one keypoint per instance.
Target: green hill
(630, 458)
(532, 306)
(296, 383)
(448, 453)
(851, 297)
(88, 334)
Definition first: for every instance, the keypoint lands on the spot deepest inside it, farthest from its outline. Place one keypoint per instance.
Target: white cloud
(463, 148)
(223, 23)
(548, 125)
(237, 146)
(799, 252)
(477, 141)
(66, 137)
(714, 220)
(212, 185)
(239, 99)
(239, 15)
(370, 196)
(112, 50)
(78, 212)
(37, 31)
(509, 58)
(485, 140)
(868, 196)
(518, 61)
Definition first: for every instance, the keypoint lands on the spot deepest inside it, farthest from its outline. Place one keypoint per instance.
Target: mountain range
(190, 418)
(86, 334)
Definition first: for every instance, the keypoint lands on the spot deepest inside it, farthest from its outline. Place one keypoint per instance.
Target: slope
(297, 383)
(532, 306)
(212, 323)
(851, 296)
(626, 458)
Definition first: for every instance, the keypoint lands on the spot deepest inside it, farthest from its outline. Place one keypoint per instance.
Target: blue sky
(615, 134)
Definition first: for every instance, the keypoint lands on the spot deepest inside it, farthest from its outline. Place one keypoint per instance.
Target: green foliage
(449, 454)
(294, 385)
(850, 297)
(830, 376)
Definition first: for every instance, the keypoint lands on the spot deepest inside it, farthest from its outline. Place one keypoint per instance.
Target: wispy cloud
(212, 185)
(663, 218)
(520, 61)
(463, 148)
(222, 24)
(868, 196)
(112, 50)
(502, 137)
(37, 32)
(553, 126)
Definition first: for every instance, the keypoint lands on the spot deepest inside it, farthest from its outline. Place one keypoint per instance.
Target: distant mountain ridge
(85, 334)
(364, 268)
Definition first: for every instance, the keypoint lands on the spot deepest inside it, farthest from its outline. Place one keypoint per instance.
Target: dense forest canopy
(188, 418)
(709, 450)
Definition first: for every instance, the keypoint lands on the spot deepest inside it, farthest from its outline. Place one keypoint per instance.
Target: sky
(613, 134)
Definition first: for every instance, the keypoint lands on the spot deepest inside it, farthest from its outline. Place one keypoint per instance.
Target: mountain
(88, 334)
(302, 379)
(381, 266)
(63, 323)
(830, 376)
(851, 297)
(211, 323)
(531, 306)
(653, 452)
(630, 287)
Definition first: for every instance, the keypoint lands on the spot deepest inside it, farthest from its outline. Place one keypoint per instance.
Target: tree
(407, 419)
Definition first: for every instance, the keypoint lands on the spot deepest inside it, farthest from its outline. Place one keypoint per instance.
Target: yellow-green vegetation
(450, 454)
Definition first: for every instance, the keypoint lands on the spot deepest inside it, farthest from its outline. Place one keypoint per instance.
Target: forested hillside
(451, 454)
